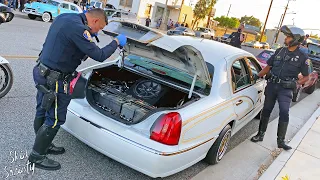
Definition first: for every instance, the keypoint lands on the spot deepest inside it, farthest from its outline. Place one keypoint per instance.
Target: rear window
(265, 55)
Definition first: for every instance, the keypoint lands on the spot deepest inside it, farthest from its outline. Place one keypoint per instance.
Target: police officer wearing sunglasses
(284, 67)
(68, 43)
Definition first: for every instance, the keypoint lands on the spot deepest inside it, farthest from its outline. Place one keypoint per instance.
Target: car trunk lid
(136, 33)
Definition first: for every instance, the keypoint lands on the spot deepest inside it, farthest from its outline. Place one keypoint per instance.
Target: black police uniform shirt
(235, 39)
(291, 63)
(68, 41)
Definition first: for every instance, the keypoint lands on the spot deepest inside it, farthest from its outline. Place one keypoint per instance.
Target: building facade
(271, 34)
(155, 9)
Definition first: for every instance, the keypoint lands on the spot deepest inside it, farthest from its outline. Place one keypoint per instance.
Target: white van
(120, 15)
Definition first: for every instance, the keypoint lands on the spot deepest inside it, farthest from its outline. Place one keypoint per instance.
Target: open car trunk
(129, 97)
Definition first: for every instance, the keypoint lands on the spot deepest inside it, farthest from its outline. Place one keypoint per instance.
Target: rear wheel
(211, 37)
(6, 79)
(310, 89)
(32, 16)
(46, 17)
(219, 147)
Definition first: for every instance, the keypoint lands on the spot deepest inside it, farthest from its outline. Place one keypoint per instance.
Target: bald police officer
(68, 43)
(284, 67)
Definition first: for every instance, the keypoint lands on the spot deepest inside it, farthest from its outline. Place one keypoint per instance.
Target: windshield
(265, 55)
(55, 3)
(109, 12)
(314, 49)
(180, 28)
(151, 67)
(201, 29)
(226, 35)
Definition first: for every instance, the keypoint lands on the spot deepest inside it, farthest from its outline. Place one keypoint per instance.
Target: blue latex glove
(122, 40)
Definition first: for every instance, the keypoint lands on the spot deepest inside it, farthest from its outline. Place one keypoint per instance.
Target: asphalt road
(25, 37)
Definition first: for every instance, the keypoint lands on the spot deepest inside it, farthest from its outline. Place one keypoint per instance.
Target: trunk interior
(130, 97)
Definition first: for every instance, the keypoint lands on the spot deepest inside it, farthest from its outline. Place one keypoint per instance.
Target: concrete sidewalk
(303, 161)
(249, 160)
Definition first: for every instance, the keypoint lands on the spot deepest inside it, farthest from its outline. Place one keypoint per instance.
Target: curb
(278, 164)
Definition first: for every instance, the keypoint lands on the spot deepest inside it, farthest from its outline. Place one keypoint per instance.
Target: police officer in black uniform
(236, 38)
(284, 67)
(68, 43)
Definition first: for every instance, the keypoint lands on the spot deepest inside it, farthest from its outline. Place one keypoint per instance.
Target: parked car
(96, 4)
(275, 46)
(50, 10)
(184, 31)
(120, 15)
(253, 44)
(167, 102)
(308, 87)
(223, 39)
(265, 45)
(206, 33)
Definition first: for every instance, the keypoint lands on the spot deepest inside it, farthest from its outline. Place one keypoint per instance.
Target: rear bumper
(154, 163)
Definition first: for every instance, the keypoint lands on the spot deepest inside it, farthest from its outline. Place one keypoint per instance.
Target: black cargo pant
(273, 92)
(56, 115)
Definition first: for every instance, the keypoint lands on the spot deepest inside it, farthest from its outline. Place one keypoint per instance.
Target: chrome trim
(141, 146)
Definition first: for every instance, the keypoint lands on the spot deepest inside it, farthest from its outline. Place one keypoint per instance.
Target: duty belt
(48, 72)
(278, 80)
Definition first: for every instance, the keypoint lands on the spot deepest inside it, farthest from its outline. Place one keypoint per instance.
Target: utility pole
(278, 27)
(227, 16)
(284, 14)
(265, 24)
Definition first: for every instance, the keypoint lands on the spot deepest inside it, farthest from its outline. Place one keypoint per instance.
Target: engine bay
(128, 97)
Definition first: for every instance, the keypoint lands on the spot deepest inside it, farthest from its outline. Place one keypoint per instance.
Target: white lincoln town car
(168, 102)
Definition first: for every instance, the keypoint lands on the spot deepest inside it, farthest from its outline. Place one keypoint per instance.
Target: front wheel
(219, 147)
(46, 17)
(6, 79)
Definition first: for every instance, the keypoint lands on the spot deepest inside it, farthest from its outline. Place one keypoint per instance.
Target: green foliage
(250, 20)
(228, 22)
(201, 10)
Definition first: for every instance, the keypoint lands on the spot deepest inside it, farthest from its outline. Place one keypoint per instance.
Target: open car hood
(177, 54)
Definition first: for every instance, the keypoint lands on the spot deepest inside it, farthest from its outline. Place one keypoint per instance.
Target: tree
(228, 22)
(200, 11)
(210, 8)
(250, 20)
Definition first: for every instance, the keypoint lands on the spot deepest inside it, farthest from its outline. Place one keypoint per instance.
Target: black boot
(282, 130)
(262, 129)
(43, 140)
(38, 122)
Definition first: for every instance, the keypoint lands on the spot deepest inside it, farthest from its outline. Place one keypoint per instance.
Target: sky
(307, 12)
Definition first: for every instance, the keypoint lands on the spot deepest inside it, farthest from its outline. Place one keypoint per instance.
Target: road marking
(19, 57)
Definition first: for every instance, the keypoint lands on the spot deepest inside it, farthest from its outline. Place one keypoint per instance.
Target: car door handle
(239, 102)
(260, 91)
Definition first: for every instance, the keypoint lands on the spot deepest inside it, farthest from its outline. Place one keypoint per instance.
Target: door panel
(243, 93)
(258, 86)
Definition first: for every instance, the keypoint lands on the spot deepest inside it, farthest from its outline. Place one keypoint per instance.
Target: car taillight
(167, 129)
